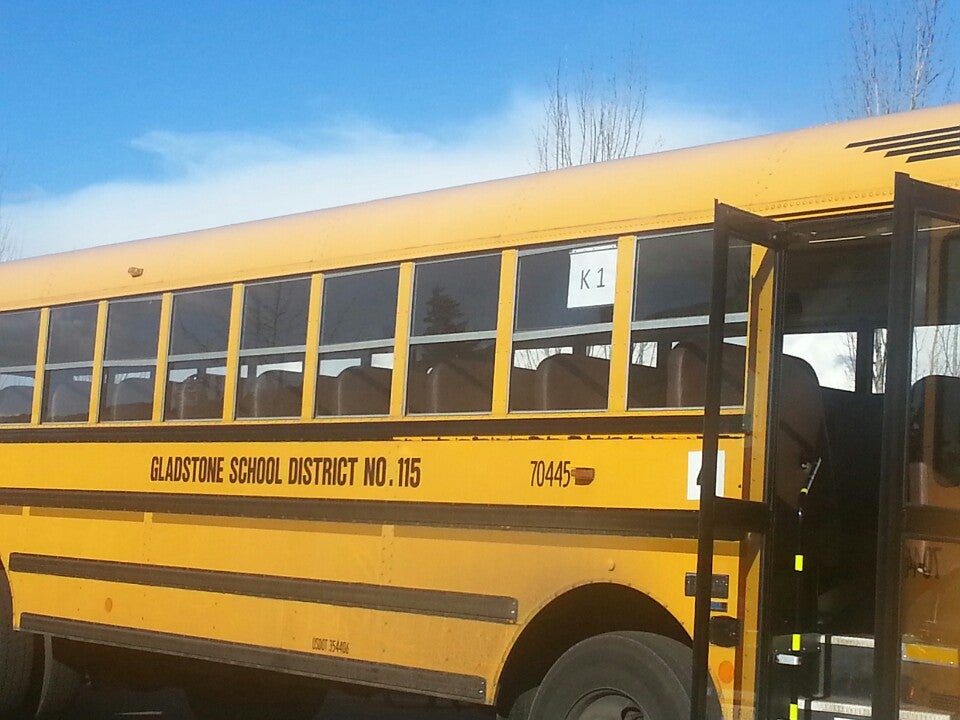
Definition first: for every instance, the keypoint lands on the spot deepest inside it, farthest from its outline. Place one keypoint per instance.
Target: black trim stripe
(919, 146)
(571, 427)
(395, 677)
(627, 522)
(920, 135)
(949, 144)
(934, 156)
(469, 606)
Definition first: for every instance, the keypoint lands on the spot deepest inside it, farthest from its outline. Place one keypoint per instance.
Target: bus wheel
(520, 709)
(617, 676)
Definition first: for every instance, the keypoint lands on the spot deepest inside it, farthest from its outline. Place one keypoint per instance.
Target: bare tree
(8, 249)
(599, 118)
(899, 57)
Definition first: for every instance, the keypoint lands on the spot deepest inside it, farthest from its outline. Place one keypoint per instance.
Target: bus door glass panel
(19, 333)
(733, 375)
(563, 328)
(454, 328)
(69, 364)
(357, 324)
(671, 306)
(273, 341)
(130, 359)
(197, 363)
(835, 308)
(930, 599)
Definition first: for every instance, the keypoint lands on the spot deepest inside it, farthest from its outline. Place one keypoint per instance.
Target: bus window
(453, 333)
(69, 366)
(272, 345)
(197, 362)
(832, 355)
(835, 302)
(130, 359)
(357, 323)
(562, 330)
(671, 309)
(19, 332)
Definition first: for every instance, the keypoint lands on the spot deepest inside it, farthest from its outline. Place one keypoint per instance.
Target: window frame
(171, 359)
(607, 329)
(92, 399)
(391, 342)
(265, 352)
(150, 363)
(414, 341)
(21, 370)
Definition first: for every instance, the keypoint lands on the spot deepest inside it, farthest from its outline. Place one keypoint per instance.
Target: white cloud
(216, 179)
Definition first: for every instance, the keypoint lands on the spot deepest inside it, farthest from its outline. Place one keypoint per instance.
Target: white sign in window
(694, 461)
(593, 276)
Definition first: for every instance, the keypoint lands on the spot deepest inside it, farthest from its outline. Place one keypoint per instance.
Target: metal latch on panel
(724, 631)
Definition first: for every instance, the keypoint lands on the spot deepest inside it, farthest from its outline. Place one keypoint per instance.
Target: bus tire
(680, 658)
(520, 709)
(620, 676)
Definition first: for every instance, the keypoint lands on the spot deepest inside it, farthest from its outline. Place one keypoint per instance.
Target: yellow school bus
(671, 436)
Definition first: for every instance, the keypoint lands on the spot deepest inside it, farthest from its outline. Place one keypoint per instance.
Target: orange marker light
(725, 672)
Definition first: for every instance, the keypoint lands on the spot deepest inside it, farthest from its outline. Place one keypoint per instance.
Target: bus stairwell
(824, 579)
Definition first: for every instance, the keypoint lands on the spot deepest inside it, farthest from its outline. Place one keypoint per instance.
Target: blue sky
(134, 118)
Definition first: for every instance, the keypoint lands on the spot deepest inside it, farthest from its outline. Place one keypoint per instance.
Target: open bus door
(917, 659)
(747, 516)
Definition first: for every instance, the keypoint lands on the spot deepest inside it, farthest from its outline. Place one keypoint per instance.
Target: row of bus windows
(561, 340)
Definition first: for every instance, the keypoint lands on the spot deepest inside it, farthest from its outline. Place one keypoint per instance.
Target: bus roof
(844, 166)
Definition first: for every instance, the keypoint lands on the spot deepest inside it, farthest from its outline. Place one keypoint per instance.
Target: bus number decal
(329, 645)
(550, 473)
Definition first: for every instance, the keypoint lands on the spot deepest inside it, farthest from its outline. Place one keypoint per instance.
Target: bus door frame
(720, 514)
(913, 200)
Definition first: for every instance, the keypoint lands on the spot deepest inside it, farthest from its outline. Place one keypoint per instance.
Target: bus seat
(16, 403)
(70, 402)
(801, 437)
(854, 427)
(934, 459)
(522, 383)
(572, 382)
(364, 391)
(326, 402)
(647, 387)
(130, 399)
(276, 393)
(245, 396)
(196, 398)
(687, 374)
(460, 386)
(417, 379)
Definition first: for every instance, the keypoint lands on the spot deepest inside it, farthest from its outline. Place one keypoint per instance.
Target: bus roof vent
(923, 145)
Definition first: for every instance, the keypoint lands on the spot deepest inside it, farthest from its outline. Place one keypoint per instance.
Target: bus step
(840, 708)
(849, 666)
(802, 670)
